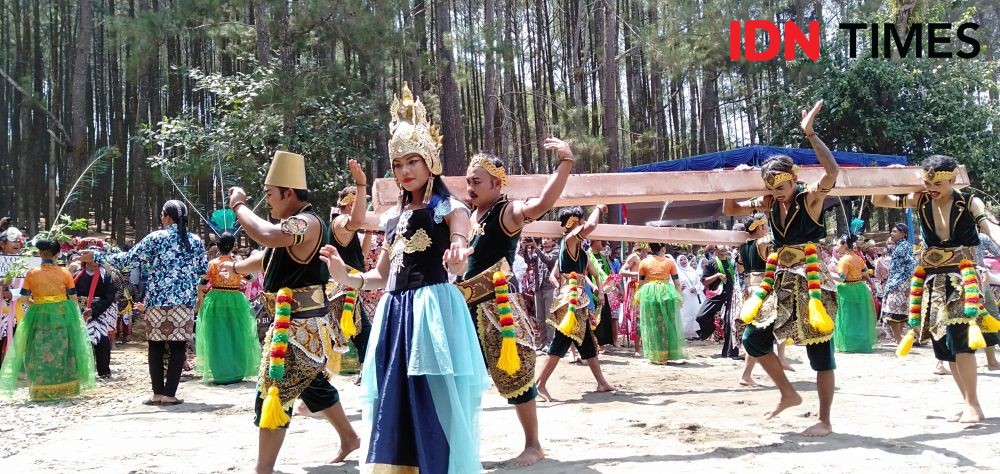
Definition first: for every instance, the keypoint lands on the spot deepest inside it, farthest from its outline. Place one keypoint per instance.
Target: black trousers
(175, 350)
(706, 315)
(102, 356)
(360, 339)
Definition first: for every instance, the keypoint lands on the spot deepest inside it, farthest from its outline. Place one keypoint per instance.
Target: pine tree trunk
(262, 26)
(453, 151)
(490, 86)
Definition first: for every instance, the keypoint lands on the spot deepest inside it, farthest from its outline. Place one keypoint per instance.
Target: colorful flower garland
(347, 326)
(752, 307)
(508, 361)
(568, 324)
(272, 415)
(818, 317)
(971, 292)
(916, 299)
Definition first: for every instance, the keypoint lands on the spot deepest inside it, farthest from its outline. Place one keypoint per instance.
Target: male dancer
(796, 307)
(571, 314)
(496, 230)
(292, 261)
(950, 222)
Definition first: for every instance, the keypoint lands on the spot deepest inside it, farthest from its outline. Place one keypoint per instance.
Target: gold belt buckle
(789, 256)
(936, 257)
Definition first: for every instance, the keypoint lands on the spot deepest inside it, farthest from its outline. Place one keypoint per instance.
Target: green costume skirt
(660, 322)
(226, 345)
(52, 349)
(855, 330)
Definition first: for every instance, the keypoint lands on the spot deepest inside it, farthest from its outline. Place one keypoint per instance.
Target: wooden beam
(627, 233)
(624, 188)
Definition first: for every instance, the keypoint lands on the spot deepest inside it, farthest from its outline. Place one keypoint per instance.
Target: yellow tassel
(509, 361)
(906, 344)
(568, 324)
(991, 324)
(976, 340)
(818, 318)
(751, 308)
(272, 415)
(347, 324)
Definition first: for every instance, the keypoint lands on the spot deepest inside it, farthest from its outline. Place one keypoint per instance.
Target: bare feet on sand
(749, 382)
(528, 457)
(601, 388)
(785, 365)
(818, 430)
(969, 415)
(993, 367)
(941, 371)
(785, 402)
(345, 449)
(543, 393)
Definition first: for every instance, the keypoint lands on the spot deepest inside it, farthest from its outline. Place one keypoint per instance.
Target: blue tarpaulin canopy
(755, 155)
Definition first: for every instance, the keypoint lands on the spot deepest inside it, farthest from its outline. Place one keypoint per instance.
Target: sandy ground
(889, 413)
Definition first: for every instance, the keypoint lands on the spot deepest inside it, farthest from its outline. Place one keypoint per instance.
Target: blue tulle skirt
(422, 382)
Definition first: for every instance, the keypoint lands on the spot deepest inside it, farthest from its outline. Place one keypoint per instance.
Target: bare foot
(794, 400)
(345, 449)
(528, 457)
(969, 415)
(749, 383)
(993, 367)
(941, 371)
(818, 430)
(601, 388)
(785, 365)
(543, 393)
(954, 418)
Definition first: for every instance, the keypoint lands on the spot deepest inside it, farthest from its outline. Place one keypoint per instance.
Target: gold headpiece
(571, 222)
(932, 176)
(412, 133)
(772, 180)
(642, 246)
(348, 199)
(756, 223)
(484, 162)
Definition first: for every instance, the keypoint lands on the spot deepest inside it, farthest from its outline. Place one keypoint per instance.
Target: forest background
(131, 95)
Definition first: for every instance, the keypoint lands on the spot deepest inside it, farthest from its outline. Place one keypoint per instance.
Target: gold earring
(429, 190)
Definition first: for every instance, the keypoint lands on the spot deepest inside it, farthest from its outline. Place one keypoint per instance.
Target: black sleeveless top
(285, 271)
(964, 232)
(799, 227)
(352, 253)
(491, 240)
(417, 240)
(567, 264)
(750, 257)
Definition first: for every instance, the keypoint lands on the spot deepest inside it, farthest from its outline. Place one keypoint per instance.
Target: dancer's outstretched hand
(809, 117)
(357, 173)
(237, 195)
(338, 269)
(562, 149)
(456, 256)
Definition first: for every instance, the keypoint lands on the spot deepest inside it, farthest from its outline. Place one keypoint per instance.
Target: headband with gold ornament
(756, 223)
(571, 222)
(484, 162)
(642, 246)
(773, 180)
(933, 176)
(412, 133)
(348, 199)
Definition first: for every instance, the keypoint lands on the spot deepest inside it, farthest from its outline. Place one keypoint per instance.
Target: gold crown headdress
(932, 176)
(412, 133)
(484, 162)
(347, 199)
(642, 246)
(772, 180)
(571, 222)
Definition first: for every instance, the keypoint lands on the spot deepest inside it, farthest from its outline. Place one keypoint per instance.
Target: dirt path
(888, 413)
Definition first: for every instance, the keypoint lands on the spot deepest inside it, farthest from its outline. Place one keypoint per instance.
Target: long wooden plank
(624, 188)
(626, 233)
